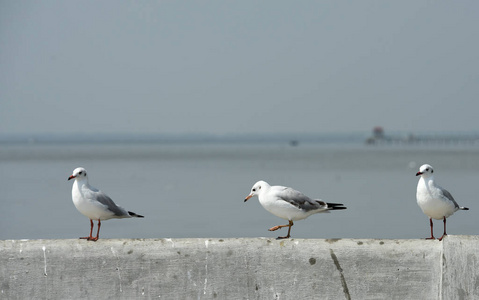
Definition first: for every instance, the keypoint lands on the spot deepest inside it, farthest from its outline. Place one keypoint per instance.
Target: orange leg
(444, 234)
(91, 231)
(281, 226)
(432, 233)
(91, 238)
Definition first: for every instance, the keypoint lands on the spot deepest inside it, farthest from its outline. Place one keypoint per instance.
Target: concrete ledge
(243, 268)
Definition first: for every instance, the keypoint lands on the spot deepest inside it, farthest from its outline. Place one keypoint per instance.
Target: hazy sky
(238, 66)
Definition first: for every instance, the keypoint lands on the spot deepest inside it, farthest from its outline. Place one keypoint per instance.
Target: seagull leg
(97, 233)
(278, 227)
(432, 234)
(444, 234)
(91, 231)
(281, 226)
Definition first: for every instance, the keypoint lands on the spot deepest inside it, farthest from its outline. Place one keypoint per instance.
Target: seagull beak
(247, 198)
(71, 177)
(418, 173)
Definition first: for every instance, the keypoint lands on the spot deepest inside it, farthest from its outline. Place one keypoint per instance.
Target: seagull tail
(135, 215)
(335, 206)
(463, 208)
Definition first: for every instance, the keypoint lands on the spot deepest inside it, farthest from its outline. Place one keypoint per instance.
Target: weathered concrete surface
(257, 268)
(461, 268)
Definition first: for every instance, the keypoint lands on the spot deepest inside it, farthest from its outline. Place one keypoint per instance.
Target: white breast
(83, 200)
(432, 201)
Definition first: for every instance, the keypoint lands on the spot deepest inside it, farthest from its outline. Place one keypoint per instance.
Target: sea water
(198, 189)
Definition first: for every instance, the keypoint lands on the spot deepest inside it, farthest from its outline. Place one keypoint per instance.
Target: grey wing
(299, 199)
(449, 196)
(108, 202)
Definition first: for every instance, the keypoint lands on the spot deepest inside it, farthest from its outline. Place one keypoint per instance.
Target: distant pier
(380, 138)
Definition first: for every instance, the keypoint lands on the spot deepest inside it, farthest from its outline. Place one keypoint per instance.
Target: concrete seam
(343, 280)
(442, 269)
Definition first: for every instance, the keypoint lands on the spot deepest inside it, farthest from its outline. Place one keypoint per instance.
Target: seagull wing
(448, 195)
(299, 199)
(103, 198)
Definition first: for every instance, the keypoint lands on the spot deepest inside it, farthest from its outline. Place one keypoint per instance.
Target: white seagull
(435, 202)
(94, 204)
(289, 204)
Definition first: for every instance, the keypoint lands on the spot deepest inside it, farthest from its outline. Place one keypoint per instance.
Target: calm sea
(197, 190)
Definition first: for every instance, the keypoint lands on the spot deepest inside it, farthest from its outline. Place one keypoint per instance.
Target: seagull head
(425, 171)
(257, 188)
(78, 173)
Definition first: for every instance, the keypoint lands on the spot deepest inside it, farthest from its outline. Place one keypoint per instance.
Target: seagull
(289, 204)
(435, 202)
(94, 204)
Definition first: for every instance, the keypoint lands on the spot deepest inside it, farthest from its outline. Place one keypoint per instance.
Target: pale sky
(238, 66)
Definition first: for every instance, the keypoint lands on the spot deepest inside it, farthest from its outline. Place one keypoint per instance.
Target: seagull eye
(254, 190)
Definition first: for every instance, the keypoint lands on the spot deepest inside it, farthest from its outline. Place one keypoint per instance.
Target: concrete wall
(252, 268)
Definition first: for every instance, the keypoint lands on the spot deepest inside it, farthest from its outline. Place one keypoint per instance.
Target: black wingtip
(334, 206)
(135, 215)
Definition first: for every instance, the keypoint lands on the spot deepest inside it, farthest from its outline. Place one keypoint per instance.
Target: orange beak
(71, 177)
(247, 198)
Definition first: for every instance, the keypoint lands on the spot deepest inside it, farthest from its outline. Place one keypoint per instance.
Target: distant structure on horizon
(379, 138)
